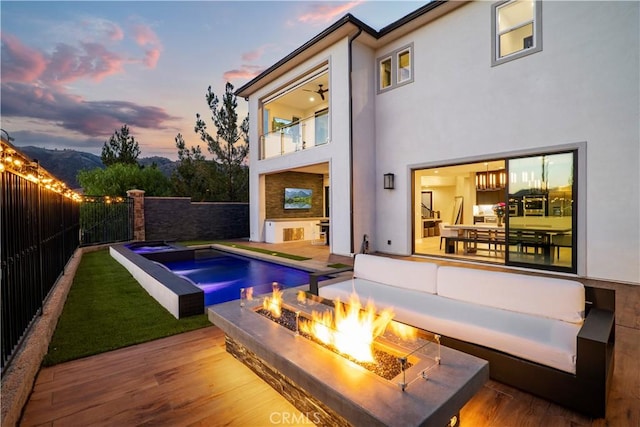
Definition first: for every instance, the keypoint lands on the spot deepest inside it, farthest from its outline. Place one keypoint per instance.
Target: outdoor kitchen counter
(280, 230)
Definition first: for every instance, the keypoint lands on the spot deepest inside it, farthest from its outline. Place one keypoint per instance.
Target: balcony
(292, 136)
(296, 118)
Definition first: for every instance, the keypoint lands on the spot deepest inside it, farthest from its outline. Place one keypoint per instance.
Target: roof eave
(345, 27)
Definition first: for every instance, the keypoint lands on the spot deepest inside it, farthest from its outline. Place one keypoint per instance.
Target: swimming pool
(223, 275)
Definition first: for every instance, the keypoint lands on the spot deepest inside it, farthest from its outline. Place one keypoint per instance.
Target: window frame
(399, 68)
(495, 34)
(575, 213)
(578, 217)
(394, 56)
(383, 60)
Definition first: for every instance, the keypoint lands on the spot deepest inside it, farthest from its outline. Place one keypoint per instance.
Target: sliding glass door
(540, 212)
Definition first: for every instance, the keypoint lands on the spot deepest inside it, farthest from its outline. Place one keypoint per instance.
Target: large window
(517, 29)
(541, 220)
(395, 69)
(516, 211)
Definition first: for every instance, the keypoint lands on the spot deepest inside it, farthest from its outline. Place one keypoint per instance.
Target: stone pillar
(138, 213)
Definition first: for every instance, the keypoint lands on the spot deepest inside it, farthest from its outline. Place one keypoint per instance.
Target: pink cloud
(68, 63)
(32, 86)
(95, 61)
(92, 118)
(143, 35)
(114, 32)
(97, 28)
(19, 62)
(254, 54)
(323, 13)
(246, 72)
(151, 58)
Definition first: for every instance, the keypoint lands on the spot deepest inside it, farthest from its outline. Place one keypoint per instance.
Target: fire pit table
(430, 387)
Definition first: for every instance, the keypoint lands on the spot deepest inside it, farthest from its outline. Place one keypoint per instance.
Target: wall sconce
(389, 181)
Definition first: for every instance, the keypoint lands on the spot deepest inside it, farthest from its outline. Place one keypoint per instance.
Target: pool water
(222, 277)
(149, 248)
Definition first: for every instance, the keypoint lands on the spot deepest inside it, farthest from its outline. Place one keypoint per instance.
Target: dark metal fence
(106, 219)
(39, 233)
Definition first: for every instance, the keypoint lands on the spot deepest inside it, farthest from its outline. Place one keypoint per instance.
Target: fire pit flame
(405, 332)
(274, 304)
(350, 329)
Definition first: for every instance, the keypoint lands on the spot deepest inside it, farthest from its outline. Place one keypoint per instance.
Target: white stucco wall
(336, 152)
(365, 179)
(582, 89)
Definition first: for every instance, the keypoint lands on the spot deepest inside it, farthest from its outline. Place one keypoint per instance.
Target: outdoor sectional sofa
(551, 337)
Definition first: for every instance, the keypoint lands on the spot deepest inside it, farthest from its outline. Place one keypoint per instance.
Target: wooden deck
(190, 379)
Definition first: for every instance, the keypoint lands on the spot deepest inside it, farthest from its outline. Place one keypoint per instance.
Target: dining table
(521, 235)
(472, 234)
(539, 236)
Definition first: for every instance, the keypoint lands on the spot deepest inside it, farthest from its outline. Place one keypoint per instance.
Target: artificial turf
(107, 309)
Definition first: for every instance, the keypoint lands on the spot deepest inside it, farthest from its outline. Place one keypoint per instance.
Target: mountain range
(65, 164)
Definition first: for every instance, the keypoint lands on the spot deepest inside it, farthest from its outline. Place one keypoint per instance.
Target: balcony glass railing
(304, 134)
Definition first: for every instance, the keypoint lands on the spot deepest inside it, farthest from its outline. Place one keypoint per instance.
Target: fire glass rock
(386, 365)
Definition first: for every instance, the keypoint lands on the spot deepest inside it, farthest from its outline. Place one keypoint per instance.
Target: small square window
(395, 68)
(517, 29)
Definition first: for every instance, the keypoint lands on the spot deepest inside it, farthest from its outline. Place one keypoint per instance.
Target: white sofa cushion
(543, 340)
(417, 275)
(542, 296)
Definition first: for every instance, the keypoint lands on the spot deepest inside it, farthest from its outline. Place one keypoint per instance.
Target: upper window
(385, 73)
(404, 66)
(516, 28)
(395, 69)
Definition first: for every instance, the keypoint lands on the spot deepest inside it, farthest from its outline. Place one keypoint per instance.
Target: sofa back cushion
(542, 296)
(416, 275)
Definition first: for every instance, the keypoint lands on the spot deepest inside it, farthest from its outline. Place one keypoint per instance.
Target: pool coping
(176, 294)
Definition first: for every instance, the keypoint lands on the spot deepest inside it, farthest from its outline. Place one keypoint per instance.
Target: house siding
(581, 90)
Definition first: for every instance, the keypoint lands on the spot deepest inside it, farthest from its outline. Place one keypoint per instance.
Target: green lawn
(107, 309)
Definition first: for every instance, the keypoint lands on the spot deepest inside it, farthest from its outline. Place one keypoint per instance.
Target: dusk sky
(74, 72)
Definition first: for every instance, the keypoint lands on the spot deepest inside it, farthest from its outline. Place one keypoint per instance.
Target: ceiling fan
(320, 91)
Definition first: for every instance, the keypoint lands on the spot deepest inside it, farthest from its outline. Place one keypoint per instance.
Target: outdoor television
(297, 198)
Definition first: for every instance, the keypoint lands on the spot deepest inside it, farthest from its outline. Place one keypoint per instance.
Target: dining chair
(447, 233)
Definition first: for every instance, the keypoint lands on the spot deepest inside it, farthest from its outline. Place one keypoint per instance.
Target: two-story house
(520, 117)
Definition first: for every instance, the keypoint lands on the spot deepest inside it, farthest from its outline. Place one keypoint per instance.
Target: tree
(121, 148)
(194, 176)
(228, 153)
(118, 178)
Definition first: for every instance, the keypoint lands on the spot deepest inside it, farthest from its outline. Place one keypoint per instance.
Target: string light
(11, 160)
